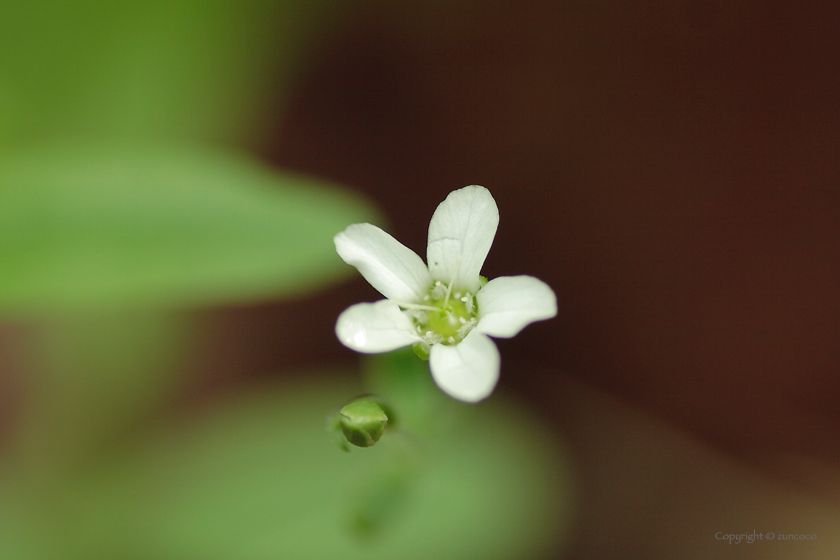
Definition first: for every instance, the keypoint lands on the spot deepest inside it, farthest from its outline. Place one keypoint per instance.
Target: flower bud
(362, 422)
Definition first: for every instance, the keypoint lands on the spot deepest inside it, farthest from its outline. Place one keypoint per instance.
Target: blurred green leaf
(92, 380)
(259, 480)
(151, 68)
(93, 377)
(91, 224)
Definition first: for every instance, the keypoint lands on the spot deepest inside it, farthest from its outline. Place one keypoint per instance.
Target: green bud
(362, 422)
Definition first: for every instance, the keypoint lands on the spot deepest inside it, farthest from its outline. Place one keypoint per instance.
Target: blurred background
(669, 168)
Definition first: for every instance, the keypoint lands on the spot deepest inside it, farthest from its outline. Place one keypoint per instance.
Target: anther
(451, 340)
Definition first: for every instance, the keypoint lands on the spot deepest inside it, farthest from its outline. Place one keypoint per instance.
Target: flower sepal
(422, 350)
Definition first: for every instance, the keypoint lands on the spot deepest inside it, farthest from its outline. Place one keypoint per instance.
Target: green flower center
(446, 316)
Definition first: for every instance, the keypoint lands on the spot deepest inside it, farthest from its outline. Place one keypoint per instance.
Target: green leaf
(91, 380)
(151, 68)
(107, 225)
(258, 480)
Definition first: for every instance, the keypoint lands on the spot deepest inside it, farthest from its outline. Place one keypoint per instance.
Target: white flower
(446, 310)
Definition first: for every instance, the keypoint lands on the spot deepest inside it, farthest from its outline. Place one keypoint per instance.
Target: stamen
(452, 282)
(416, 306)
(465, 329)
(463, 321)
(438, 291)
(451, 340)
(470, 305)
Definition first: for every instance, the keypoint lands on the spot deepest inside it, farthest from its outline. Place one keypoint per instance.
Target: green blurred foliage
(258, 479)
(92, 224)
(92, 379)
(107, 195)
(163, 69)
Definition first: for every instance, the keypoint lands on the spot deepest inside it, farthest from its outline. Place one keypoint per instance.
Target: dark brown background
(671, 169)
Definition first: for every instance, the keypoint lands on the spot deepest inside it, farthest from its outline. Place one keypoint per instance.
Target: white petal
(390, 267)
(462, 228)
(375, 327)
(467, 371)
(508, 304)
